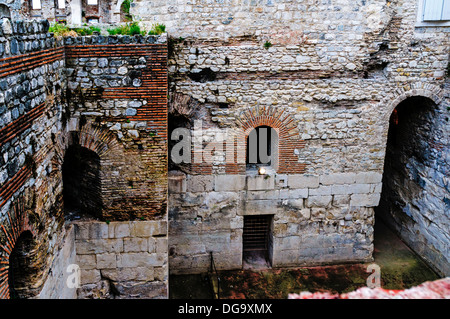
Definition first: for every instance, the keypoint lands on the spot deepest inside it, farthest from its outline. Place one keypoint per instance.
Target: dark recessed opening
(257, 240)
(81, 183)
(260, 147)
(22, 268)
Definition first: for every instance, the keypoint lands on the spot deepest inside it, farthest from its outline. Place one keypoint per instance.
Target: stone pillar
(115, 16)
(75, 6)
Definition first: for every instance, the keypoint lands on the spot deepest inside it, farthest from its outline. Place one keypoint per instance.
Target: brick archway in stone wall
(91, 137)
(420, 89)
(100, 143)
(289, 142)
(97, 139)
(414, 168)
(17, 224)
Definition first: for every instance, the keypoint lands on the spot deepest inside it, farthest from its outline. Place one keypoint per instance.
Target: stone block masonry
(31, 88)
(118, 107)
(325, 77)
(120, 83)
(117, 111)
(122, 259)
(332, 74)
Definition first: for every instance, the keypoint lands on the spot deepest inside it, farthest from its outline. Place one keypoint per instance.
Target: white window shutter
(61, 4)
(446, 10)
(432, 10)
(36, 4)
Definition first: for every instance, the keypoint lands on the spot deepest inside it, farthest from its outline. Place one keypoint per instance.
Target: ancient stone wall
(122, 259)
(117, 86)
(65, 272)
(117, 107)
(12, 9)
(415, 184)
(108, 97)
(32, 86)
(330, 73)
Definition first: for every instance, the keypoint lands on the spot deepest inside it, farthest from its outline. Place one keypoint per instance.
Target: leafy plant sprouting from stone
(157, 29)
(61, 29)
(267, 45)
(87, 31)
(131, 28)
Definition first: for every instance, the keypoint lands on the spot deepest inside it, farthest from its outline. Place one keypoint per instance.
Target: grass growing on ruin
(267, 45)
(131, 28)
(62, 30)
(87, 31)
(157, 29)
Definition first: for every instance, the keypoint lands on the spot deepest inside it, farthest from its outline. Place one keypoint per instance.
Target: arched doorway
(81, 183)
(406, 207)
(23, 267)
(4, 11)
(408, 150)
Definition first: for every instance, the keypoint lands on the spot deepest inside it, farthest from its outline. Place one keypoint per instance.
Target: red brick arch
(282, 120)
(18, 223)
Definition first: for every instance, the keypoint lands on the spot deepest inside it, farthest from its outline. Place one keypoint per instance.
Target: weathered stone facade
(335, 71)
(31, 103)
(110, 100)
(332, 78)
(122, 259)
(74, 12)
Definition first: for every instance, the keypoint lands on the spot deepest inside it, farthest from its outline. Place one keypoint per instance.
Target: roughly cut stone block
(129, 274)
(148, 228)
(135, 244)
(105, 261)
(223, 183)
(177, 182)
(199, 183)
(293, 193)
(368, 178)
(338, 178)
(86, 261)
(319, 201)
(89, 276)
(139, 260)
(366, 200)
(119, 229)
(98, 246)
(259, 207)
(303, 181)
(320, 191)
(260, 182)
(281, 181)
(270, 194)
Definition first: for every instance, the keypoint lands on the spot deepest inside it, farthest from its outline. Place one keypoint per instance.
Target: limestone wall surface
(110, 101)
(118, 88)
(122, 259)
(331, 73)
(65, 275)
(31, 100)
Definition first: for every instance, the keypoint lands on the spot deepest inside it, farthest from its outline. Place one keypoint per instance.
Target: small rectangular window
(436, 10)
(92, 2)
(36, 4)
(61, 4)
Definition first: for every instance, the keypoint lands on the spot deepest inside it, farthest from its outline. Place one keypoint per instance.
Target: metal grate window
(256, 233)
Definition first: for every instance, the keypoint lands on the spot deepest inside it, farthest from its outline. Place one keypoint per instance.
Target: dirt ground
(400, 269)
